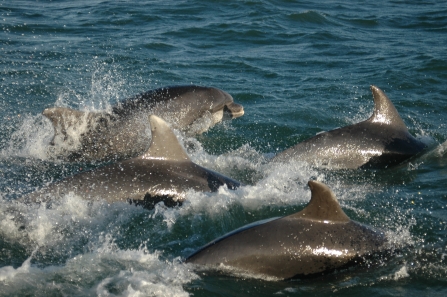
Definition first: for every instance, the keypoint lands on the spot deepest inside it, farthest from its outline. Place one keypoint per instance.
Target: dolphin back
(381, 141)
(164, 173)
(122, 133)
(314, 241)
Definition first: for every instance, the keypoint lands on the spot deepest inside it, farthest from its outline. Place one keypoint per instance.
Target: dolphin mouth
(233, 110)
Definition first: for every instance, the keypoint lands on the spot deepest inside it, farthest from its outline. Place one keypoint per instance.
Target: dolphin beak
(233, 110)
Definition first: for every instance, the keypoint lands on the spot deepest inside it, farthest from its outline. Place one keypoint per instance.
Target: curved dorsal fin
(323, 205)
(384, 110)
(164, 144)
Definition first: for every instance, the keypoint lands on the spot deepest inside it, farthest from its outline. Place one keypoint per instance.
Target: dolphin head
(223, 106)
(194, 109)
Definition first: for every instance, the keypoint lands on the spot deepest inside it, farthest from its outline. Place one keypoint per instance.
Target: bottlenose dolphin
(163, 173)
(93, 136)
(314, 241)
(381, 141)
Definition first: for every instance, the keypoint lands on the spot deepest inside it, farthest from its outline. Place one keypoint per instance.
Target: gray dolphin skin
(163, 173)
(314, 241)
(379, 142)
(96, 136)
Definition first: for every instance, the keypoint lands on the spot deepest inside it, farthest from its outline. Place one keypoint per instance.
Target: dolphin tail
(63, 118)
(384, 110)
(164, 144)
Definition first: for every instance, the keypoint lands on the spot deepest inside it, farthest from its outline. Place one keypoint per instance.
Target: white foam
(70, 218)
(31, 139)
(106, 271)
(84, 234)
(9, 272)
(141, 273)
(283, 186)
(397, 275)
(441, 150)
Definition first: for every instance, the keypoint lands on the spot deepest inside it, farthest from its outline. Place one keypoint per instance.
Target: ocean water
(297, 67)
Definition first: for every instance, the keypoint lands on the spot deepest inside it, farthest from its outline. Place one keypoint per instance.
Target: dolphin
(163, 173)
(122, 133)
(381, 141)
(312, 242)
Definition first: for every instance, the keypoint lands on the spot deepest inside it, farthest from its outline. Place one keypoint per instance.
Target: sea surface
(297, 67)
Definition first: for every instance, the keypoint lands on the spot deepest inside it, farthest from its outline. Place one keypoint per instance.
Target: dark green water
(297, 67)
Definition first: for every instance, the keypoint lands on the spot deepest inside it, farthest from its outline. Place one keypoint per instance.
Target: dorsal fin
(384, 110)
(164, 144)
(323, 205)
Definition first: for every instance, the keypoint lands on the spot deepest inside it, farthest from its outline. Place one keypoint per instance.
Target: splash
(105, 271)
(30, 139)
(9, 272)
